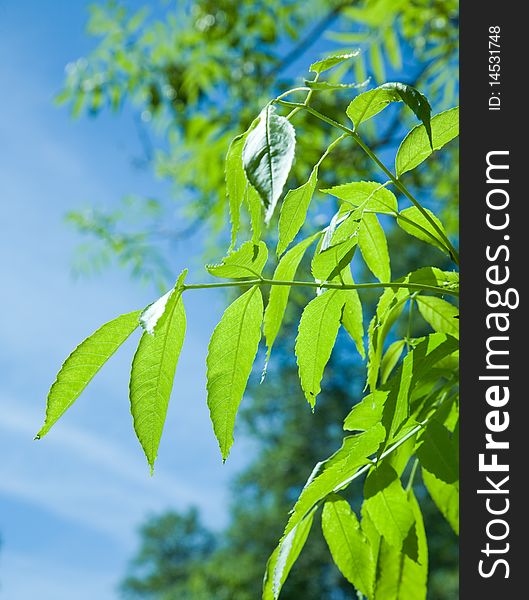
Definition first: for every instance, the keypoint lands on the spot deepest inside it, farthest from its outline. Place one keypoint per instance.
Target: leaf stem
(307, 99)
(412, 474)
(387, 452)
(326, 285)
(291, 91)
(396, 182)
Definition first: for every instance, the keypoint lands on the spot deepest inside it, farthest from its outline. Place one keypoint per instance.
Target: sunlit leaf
(255, 209)
(416, 365)
(352, 314)
(374, 247)
(403, 575)
(231, 353)
(415, 223)
(151, 379)
(415, 147)
(278, 299)
(331, 262)
(331, 61)
(331, 475)
(294, 211)
(295, 205)
(370, 103)
(369, 194)
(387, 505)
(267, 156)
(389, 308)
(155, 315)
(438, 453)
(247, 261)
(445, 497)
(350, 549)
(390, 359)
(283, 558)
(367, 413)
(83, 363)
(440, 314)
(317, 333)
(235, 183)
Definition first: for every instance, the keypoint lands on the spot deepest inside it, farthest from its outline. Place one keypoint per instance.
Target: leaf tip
(41, 433)
(264, 372)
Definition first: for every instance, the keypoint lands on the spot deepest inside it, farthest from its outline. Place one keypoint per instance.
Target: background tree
(199, 74)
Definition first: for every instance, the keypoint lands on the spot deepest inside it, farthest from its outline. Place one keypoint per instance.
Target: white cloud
(82, 477)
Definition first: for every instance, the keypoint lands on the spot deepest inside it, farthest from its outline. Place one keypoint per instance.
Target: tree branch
(325, 285)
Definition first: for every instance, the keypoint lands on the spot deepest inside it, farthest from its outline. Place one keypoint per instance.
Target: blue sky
(70, 504)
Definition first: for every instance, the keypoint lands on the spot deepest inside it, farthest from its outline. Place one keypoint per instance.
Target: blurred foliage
(193, 74)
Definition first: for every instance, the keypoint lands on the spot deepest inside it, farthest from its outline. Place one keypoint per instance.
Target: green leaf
(401, 576)
(390, 359)
(82, 365)
(334, 473)
(152, 314)
(235, 183)
(342, 227)
(387, 505)
(317, 333)
(416, 148)
(440, 314)
(371, 195)
(400, 457)
(231, 353)
(416, 365)
(412, 221)
(389, 308)
(438, 453)
(375, 541)
(327, 477)
(350, 549)
(278, 299)
(434, 276)
(155, 315)
(267, 157)
(294, 211)
(367, 413)
(151, 378)
(331, 262)
(247, 261)
(445, 497)
(374, 247)
(370, 103)
(352, 316)
(255, 208)
(284, 557)
(295, 206)
(331, 61)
